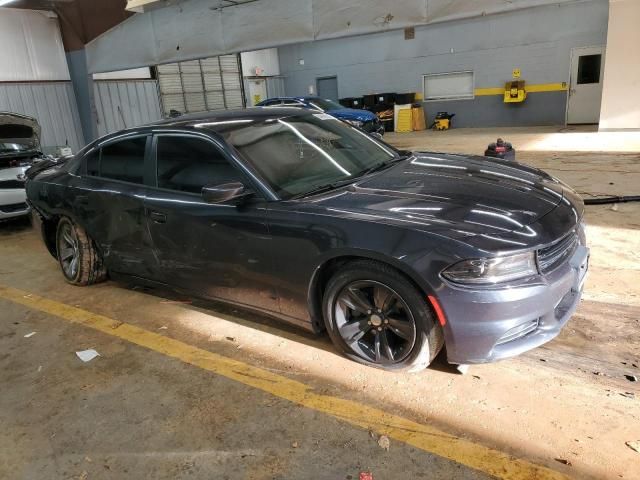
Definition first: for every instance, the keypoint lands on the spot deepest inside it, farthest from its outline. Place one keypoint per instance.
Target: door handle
(158, 217)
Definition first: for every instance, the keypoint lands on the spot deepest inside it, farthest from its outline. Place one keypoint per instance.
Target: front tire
(78, 256)
(377, 317)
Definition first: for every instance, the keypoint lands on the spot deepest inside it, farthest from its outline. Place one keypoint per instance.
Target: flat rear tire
(79, 259)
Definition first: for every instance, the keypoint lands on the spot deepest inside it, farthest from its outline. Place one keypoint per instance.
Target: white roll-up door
(213, 83)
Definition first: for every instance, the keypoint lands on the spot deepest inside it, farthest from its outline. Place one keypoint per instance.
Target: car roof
(254, 113)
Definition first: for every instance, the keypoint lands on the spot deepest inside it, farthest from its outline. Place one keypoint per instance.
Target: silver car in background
(19, 150)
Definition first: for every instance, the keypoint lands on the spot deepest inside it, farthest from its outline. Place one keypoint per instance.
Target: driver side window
(186, 164)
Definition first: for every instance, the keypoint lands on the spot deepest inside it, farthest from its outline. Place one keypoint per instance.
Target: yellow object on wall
(514, 92)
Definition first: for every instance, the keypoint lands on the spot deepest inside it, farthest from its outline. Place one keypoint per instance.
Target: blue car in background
(364, 119)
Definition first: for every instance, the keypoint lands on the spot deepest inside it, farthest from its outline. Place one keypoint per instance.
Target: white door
(585, 88)
(257, 90)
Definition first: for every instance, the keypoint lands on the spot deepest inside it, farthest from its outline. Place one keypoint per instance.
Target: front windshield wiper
(323, 188)
(383, 165)
(332, 186)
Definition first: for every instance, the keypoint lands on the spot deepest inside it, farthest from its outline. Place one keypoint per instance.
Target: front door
(257, 90)
(585, 92)
(328, 88)
(217, 250)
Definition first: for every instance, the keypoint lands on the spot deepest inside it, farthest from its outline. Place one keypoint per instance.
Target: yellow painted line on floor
(533, 88)
(423, 437)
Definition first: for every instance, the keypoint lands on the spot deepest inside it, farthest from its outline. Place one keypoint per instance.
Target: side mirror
(224, 192)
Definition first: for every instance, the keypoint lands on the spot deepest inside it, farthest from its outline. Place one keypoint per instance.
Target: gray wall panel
(52, 104)
(536, 40)
(126, 103)
(545, 108)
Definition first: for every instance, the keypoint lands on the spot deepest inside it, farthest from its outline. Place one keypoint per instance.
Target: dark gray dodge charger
(303, 217)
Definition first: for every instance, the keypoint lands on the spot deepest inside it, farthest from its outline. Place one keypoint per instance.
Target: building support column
(82, 82)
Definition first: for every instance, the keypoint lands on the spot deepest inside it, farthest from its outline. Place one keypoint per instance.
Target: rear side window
(93, 163)
(187, 164)
(124, 160)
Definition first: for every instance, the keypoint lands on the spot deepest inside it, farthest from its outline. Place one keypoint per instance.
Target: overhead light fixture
(4, 2)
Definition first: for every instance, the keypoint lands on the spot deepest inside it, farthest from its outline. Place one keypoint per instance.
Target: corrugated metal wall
(212, 83)
(52, 104)
(125, 103)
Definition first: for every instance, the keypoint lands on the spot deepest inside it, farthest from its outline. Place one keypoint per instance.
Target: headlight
(355, 123)
(492, 270)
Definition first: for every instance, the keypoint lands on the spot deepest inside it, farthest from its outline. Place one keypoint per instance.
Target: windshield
(297, 154)
(14, 147)
(15, 138)
(324, 104)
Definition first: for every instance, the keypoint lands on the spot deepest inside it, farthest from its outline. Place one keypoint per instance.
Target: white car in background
(19, 150)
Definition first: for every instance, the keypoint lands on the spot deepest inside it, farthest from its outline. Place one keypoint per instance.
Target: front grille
(6, 184)
(14, 207)
(551, 257)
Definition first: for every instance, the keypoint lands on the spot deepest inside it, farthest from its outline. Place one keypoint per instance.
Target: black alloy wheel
(376, 316)
(375, 322)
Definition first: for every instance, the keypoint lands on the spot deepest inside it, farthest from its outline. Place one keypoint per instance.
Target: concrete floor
(138, 413)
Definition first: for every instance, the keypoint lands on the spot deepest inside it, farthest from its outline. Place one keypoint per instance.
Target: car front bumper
(13, 203)
(485, 325)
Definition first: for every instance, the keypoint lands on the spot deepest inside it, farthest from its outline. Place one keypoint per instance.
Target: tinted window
(292, 102)
(124, 160)
(187, 164)
(93, 163)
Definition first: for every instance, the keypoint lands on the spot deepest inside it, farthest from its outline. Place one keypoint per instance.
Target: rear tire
(77, 254)
(377, 317)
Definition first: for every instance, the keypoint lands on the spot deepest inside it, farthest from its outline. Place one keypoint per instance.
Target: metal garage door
(213, 83)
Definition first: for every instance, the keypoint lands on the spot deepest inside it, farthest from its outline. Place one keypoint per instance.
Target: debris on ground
(176, 301)
(87, 355)
(628, 394)
(294, 444)
(365, 476)
(563, 461)
(634, 445)
(631, 378)
(116, 324)
(231, 339)
(384, 442)
(29, 335)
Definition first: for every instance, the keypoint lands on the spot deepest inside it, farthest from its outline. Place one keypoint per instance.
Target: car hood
(460, 196)
(20, 129)
(353, 114)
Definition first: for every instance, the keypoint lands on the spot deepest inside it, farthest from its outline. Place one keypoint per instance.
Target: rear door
(218, 250)
(109, 203)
